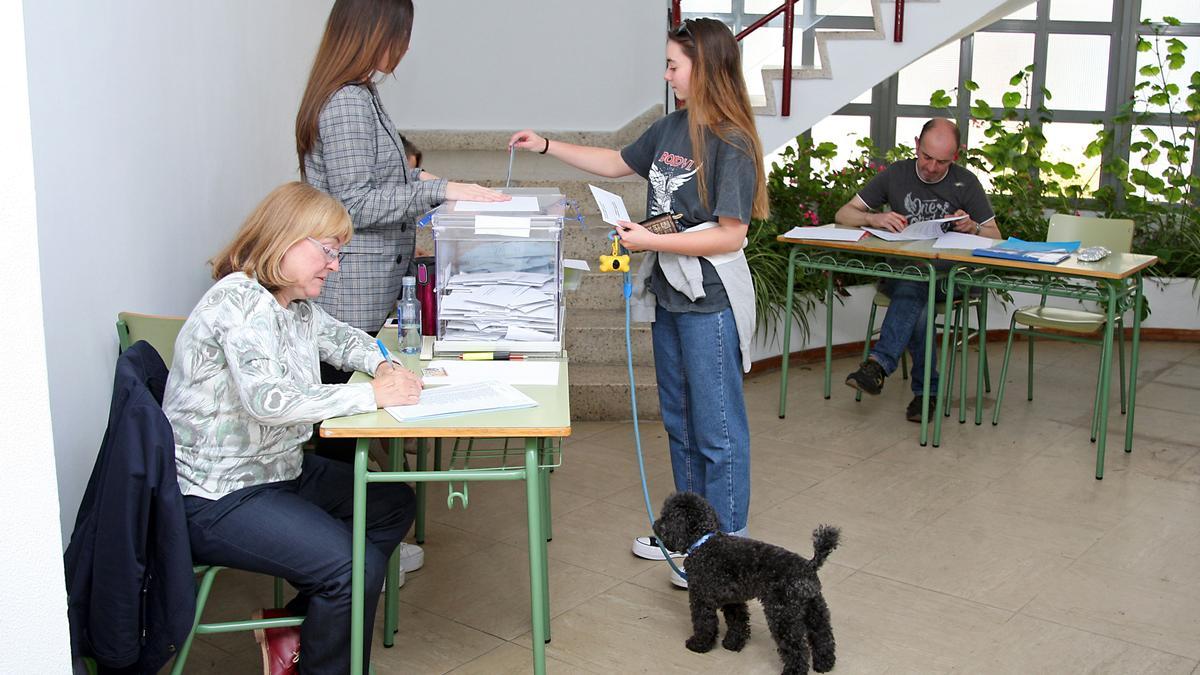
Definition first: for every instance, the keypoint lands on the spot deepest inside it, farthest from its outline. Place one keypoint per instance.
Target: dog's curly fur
(726, 571)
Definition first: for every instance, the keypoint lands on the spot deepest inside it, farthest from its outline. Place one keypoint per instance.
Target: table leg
(787, 332)
(929, 330)
(422, 490)
(964, 326)
(358, 553)
(981, 376)
(547, 523)
(538, 591)
(1133, 362)
(1105, 375)
(828, 333)
(391, 596)
(942, 360)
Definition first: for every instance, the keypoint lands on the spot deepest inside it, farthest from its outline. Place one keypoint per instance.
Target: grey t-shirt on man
(663, 156)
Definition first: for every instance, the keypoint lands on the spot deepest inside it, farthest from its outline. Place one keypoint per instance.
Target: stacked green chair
(160, 332)
(1068, 324)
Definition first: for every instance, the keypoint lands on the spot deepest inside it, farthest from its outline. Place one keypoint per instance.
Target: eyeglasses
(331, 254)
(682, 30)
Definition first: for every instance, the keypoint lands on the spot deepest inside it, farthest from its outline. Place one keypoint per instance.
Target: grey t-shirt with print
(663, 156)
(902, 189)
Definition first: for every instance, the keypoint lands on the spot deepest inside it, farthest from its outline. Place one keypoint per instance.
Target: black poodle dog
(724, 571)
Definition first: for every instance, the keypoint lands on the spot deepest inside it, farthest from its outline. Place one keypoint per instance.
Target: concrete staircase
(595, 315)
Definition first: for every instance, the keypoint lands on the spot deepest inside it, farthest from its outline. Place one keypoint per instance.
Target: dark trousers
(301, 530)
(341, 449)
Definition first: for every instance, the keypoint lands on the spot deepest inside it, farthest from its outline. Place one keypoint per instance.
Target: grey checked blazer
(359, 159)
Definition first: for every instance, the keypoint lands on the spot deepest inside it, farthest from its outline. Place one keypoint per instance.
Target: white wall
(562, 65)
(156, 128)
(31, 585)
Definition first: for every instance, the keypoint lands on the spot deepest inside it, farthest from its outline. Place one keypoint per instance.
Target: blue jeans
(300, 530)
(699, 368)
(904, 328)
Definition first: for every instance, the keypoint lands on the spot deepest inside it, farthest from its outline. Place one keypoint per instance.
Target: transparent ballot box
(500, 274)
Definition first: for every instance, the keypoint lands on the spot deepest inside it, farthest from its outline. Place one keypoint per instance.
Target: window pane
(864, 97)
(1184, 10)
(763, 47)
(1180, 78)
(1158, 167)
(1066, 142)
(996, 58)
(1081, 10)
(907, 130)
(844, 130)
(936, 70)
(689, 6)
(1026, 13)
(1077, 72)
(842, 8)
(978, 138)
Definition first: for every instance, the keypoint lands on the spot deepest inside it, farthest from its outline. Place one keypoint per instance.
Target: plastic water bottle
(408, 312)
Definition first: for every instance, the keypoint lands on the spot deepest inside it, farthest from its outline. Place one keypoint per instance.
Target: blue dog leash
(637, 436)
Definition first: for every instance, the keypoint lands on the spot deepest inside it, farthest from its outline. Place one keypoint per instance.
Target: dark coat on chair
(129, 565)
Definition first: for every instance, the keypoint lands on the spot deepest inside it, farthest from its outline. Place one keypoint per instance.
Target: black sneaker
(868, 378)
(913, 412)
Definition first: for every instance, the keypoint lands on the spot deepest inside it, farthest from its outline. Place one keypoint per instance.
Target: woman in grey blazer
(348, 147)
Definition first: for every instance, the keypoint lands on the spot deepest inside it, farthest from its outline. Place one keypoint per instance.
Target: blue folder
(1046, 252)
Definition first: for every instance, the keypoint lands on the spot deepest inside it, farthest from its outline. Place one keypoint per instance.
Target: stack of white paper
(462, 398)
(490, 306)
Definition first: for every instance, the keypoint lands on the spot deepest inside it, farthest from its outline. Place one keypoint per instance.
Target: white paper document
(963, 240)
(505, 226)
(612, 207)
(529, 371)
(518, 204)
(923, 229)
(825, 233)
(462, 398)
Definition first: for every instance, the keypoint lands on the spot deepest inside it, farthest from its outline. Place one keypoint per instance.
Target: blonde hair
(718, 101)
(358, 36)
(291, 213)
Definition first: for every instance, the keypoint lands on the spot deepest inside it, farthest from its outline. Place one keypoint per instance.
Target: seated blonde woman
(243, 394)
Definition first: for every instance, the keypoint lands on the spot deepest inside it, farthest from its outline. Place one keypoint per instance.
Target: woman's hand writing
(395, 386)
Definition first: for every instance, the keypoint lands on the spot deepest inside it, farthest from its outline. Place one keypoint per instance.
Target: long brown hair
(718, 101)
(289, 214)
(359, 35)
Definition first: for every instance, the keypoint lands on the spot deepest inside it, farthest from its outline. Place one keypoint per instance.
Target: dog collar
(699, 543)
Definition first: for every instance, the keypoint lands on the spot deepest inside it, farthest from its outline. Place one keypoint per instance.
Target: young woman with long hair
(704, 162)
(348, 146)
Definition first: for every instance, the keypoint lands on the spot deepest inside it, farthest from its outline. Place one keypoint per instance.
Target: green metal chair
(881, 299)
(161, 332)
(1070, 325)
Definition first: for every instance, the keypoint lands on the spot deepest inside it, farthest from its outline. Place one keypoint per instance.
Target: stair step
(602, 392)
(600, 290)
(597, 336)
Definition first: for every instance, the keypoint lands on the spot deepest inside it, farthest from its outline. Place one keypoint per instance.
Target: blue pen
(383, 350)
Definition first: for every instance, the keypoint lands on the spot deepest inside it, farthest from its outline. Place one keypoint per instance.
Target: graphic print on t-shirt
(925, 209)
(665, 184)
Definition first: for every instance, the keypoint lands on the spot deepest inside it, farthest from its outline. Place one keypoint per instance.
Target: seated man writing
(928, 187)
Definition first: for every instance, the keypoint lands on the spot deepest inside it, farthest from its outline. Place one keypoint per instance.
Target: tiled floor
(995, 553)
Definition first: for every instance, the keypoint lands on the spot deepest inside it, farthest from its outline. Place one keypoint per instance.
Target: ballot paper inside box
(500, 274)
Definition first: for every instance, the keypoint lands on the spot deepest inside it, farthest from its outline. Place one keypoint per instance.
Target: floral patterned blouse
(245, 385)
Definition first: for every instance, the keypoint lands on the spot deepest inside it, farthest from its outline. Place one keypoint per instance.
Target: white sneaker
(412, 557)
(676, 580)
(647, 547)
